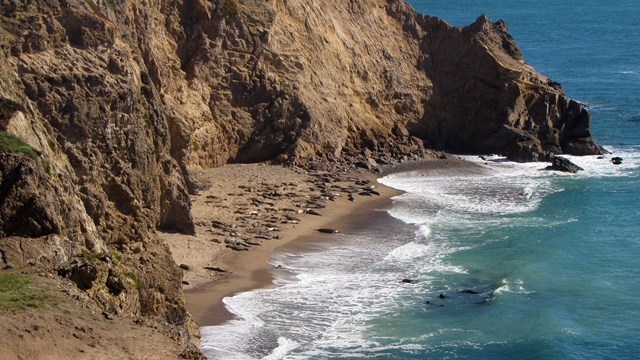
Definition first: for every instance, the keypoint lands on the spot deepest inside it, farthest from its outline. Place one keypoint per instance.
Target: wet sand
(251, 269)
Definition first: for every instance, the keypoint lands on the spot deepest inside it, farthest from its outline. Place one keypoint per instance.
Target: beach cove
(442, 270)
(246, 270)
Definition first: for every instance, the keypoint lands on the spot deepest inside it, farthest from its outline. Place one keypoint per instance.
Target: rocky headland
(113, 114)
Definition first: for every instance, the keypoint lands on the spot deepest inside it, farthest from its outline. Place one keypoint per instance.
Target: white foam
(336, 293)
(506, 187)
(328, 300)
(597, 166)
(509, 188)
(517, 288)
(285, 346)
(425, 258)
(221, 342)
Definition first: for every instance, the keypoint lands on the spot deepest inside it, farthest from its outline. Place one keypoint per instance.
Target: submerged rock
(469, 291)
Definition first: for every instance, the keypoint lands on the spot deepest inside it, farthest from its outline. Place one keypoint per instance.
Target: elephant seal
(327, 230)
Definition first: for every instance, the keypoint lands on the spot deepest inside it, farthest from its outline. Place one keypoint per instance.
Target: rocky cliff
(106, 107)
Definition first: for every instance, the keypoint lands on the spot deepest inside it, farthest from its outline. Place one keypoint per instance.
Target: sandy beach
(240, 206)
(264, 207)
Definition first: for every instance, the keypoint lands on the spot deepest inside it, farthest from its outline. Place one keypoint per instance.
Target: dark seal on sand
(328, 230)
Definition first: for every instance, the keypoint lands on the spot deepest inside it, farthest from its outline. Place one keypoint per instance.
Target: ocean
(514, 263)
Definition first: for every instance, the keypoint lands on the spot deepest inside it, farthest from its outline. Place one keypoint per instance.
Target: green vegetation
(230, 8)
(11, 143)
(135, 279)
(17, 293)
(147, 120)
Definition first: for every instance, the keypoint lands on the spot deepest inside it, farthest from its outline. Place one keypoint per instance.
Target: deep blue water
(554, 259)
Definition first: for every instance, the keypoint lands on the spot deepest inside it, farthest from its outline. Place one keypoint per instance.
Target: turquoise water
(553, 259)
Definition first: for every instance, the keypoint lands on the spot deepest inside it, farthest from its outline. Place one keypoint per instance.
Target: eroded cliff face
(486, 99)
(117, 101)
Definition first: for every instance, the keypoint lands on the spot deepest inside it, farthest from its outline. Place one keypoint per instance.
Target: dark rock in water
(441, 296)
(430, 303)
(328, 231)
(603, 150)
(185, 267)
(469, 291)
(616, 160)
(559, 163)
(408, 281)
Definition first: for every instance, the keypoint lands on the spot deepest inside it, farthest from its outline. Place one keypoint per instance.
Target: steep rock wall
(486, 99)
(95, 176)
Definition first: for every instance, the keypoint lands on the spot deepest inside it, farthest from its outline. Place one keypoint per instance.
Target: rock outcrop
(110, 105)
(559, 163)
(486, 99)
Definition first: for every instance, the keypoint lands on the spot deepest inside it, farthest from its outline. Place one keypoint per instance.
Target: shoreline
(250, 270)
(254, 270)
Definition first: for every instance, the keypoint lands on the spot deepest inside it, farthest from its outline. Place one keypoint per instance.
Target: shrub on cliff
(11, 143)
